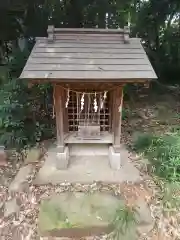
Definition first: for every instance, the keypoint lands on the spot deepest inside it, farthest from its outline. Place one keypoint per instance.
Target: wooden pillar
(117, 117)
(59, 110)
(110, 106)
(65, 112)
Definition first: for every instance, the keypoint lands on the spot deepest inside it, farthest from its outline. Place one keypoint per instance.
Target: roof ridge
(52, 31)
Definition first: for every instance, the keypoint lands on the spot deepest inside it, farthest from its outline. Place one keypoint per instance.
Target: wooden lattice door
(87, 122)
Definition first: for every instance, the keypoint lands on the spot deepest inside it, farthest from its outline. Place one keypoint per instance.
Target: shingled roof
(88, 54)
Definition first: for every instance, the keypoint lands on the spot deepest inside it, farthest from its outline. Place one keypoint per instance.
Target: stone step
(88, 149)
(77, 214)
(105, 138)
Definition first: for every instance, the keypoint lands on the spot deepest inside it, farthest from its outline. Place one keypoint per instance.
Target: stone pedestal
(62, 159)
(114, 159)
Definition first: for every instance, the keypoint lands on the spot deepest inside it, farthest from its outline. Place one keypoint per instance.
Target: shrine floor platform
(87, 169)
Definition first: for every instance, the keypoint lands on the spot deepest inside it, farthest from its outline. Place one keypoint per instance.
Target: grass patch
(163, 152)
(124, 222)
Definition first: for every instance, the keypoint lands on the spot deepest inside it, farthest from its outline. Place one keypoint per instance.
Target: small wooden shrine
(88, 69)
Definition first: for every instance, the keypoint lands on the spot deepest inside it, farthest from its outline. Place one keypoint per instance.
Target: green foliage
(13, 110)
(125, 113)
(124, 223)
(25, 114)
(142, 141)
(163, 152)
(24, 120)
(157, 23)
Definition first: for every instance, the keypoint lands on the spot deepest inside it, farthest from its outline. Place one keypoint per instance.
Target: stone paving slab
(33, 155)
(19, 181)
(86, 170)
(11, 207)
(78, 214)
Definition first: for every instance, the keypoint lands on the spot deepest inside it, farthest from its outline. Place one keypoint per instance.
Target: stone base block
(88, 149)
(62, 159)
(81, 210)
(114, 159)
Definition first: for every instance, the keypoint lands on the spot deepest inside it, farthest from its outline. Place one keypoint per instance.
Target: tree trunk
(102, 14)
(75, 13)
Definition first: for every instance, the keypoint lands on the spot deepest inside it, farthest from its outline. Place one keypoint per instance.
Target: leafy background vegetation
(163, 152)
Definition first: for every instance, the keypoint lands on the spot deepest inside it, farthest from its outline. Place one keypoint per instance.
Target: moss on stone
(77, 210)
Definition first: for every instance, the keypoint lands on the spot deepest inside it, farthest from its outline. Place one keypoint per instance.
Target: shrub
(13, 110)
(163, 152)
(142, 141)
(25, 114)
(23, 117)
